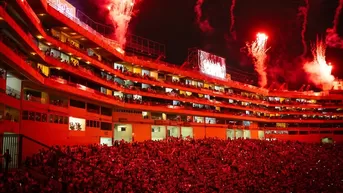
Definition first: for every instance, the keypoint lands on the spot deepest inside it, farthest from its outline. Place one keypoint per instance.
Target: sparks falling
(258, 50)
(120, 14)
(332, 37)
(303, 11)
(232, 26)
(319, 70)
(204, 25)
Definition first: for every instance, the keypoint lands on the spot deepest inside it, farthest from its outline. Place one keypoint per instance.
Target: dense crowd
(175, 165)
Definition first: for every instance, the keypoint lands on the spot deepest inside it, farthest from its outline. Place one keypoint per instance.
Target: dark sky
(172, 22)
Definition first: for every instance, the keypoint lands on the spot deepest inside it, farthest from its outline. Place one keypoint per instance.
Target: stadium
(82, 110)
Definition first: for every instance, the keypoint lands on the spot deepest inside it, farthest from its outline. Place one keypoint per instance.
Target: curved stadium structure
(64, 82)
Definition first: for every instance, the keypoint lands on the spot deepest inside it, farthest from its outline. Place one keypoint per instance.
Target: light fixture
(39, 37)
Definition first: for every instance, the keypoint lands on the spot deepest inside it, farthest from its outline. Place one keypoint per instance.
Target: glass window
(44, 117)
(60, 119)
(65, 121)
(51, 118)
(25, 115)
(38, 117)
(31, 116)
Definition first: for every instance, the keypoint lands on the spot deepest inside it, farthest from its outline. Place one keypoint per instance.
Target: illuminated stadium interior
(69, 81)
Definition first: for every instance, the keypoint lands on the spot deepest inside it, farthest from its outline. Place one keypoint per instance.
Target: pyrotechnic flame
(120, 14)
(332, 37)
(232, 26)
(204, 25)
(319, 70)
(258, 50)
(304, 12)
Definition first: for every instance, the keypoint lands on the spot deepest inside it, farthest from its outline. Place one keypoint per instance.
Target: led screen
(64, 7)
(212, 65)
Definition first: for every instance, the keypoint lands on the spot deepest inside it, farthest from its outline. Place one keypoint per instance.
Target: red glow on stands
(258, 49)
(319, 70)
(120, 14)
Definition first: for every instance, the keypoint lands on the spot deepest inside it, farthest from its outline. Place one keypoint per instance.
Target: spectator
(204, 165)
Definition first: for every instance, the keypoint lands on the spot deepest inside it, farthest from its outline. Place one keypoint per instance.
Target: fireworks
(120, 14)
(332, 38)
(304, 12)
(232, 26)
(319, 70)
(258, 50)
(203, 25)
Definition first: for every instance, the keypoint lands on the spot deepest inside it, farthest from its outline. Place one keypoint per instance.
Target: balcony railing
(134, 44)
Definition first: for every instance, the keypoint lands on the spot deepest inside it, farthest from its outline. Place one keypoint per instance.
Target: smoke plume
(303, 11)
(204, 25)
(332, 37)
(232, 26)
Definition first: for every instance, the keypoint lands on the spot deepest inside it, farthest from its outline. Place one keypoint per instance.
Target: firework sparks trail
(304, 12)
(332, 37)
(120, 14)
(232, 26)
(258, 50)
(204, 25)
(318, 70)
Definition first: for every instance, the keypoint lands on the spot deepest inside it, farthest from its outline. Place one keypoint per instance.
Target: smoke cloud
(303, 11)
(232, 26)
(204, 25)
(318, 70)
(332, 37)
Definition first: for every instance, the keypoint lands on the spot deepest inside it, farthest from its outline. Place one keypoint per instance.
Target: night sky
(172, 22)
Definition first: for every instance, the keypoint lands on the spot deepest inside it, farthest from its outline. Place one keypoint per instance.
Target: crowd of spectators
(176, 165)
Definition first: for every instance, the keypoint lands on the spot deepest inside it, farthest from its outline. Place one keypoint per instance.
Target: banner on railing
(77, 124)
(64, 7)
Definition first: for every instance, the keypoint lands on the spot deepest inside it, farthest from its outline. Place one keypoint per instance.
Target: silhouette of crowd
(176, 165)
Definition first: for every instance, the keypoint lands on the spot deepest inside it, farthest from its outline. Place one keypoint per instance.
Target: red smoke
(318, 70)
(120, 15)
(232, 26)
(203, 25)
(332, 37)
(304, 12)
(258, 51)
